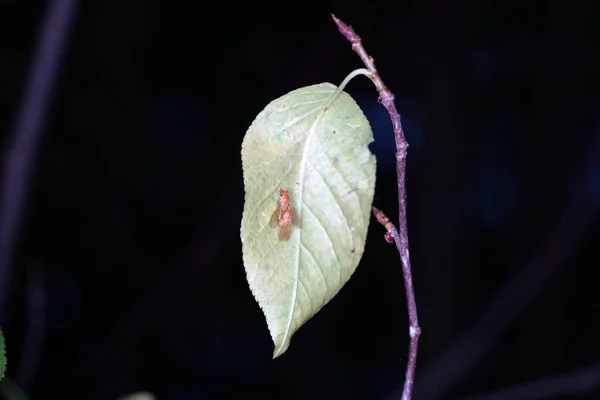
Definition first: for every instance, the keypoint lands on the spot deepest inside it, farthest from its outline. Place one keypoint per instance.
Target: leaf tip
(280, 349)
(282, 343)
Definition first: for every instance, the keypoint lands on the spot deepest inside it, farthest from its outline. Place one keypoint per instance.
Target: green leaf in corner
(2, 356)
(314, 144)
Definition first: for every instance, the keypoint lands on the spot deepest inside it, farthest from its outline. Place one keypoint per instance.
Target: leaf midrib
(303, 162)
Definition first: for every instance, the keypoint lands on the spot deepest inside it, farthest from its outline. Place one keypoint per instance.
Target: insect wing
(296, 220)
(285, 232)
(274, 222)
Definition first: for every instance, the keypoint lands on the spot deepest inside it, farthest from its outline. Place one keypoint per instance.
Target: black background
(131, 227)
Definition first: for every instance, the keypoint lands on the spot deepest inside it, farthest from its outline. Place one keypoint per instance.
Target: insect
(285, 216)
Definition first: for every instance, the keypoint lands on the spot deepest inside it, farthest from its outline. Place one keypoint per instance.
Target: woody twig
(400, 237)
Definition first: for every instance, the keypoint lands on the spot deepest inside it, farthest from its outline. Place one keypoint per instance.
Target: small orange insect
(284, 216)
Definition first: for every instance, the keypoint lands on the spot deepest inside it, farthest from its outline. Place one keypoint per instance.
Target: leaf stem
(340, 89)
(386, 98)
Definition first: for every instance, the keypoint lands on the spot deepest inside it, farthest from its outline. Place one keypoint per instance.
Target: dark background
(130, 235)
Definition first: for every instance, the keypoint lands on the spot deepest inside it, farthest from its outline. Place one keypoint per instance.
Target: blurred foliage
(9, 390)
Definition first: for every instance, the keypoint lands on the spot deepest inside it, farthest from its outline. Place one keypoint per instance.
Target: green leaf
(318, 151)
(2, 356)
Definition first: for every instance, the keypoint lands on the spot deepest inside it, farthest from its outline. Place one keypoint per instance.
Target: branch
(24, 140)
(393, 235)
(401, 238)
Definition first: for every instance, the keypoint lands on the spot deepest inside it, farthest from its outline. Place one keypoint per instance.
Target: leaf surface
(318, 151)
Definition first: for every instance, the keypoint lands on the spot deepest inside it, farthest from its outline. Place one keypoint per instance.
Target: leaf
(2, 356)
(318, 151)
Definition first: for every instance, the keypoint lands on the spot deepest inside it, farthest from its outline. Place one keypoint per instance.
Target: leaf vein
(317, 266)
